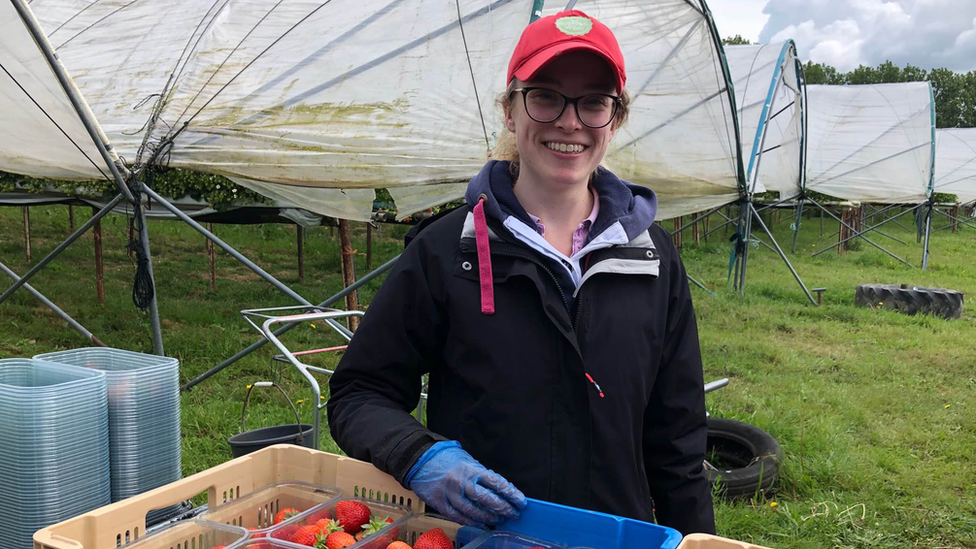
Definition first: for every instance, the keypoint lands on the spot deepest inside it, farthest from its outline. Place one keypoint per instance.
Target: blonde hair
(507, 149)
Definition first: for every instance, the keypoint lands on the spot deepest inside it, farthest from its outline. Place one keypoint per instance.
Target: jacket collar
(631, 206)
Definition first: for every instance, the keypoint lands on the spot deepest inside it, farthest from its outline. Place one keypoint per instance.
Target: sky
(848, 33)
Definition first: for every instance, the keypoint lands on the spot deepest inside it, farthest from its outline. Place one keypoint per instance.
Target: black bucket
(249, 441)
(246, 441)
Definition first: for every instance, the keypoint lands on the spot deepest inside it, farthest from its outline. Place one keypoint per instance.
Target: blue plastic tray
(554, 526)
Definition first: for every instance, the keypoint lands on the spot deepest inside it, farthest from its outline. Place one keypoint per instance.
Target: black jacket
(594, 400)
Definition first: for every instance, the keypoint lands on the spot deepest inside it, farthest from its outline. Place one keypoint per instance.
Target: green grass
(874, 410)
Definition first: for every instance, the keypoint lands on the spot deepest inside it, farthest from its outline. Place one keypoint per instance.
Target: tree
(820, 73)
(736, 40)
(888, 73)
(947, 88)
(864, 75)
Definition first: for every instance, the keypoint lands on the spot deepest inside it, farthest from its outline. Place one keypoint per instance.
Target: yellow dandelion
(773, 504)
(299, 401)
(312, 325)
(947, 406)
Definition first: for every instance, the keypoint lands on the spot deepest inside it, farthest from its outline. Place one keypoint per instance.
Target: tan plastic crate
(102, 528)
(705, 541)
(201, 535)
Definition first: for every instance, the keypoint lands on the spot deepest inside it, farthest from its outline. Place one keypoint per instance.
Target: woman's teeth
(565, 147)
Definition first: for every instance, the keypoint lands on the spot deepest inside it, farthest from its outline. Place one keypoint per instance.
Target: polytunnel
(871, 143)
(874, 144)
(955, 163)
(770, 104)
(318, 103)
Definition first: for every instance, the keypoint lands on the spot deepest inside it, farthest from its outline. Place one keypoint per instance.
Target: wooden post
(694, 229)
(99, 268)
(27, 237)
(348, 271)
(132, 236)
(954, 212)
(71, 218)
(211, 259)
(369, 247)
(708, 222)
(301, 253)
(677, 235)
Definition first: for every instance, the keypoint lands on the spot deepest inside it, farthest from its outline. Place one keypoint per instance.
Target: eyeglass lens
(594, 110)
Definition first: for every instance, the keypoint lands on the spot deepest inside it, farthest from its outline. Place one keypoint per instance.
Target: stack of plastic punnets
(53, 446)
(144, 418)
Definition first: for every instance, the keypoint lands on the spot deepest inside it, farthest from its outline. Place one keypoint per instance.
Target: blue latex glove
(463, 490)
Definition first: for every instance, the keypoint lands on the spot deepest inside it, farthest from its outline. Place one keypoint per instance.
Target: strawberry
(352, 515)
(435, 538)
(285, 532)
(336, 540)
(285, 514)
(376, 524)
(306, 535)
(399, 545)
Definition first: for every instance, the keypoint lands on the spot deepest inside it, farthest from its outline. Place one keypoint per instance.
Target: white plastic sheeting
(769, 100)
(40, 132)
(317, 103)
(680, 139)
(871, 143)
(955, 163)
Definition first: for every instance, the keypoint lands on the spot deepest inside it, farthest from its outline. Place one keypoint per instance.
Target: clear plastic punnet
(53, 446)
(259, 510)
(143, 417)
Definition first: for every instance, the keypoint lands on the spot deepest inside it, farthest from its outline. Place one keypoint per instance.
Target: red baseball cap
(565, 31)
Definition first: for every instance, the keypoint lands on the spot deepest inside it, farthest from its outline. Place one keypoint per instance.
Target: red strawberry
(352, 515)
(336, 540)
(285, 514)
(285, 532)
(399, 545)
(306, 535)
(434, 538)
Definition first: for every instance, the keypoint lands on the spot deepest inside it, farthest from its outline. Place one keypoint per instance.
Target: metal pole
(257, 344)
(699, 219)
(157, 334)
(784, 258)
(301, 253)
(27, 237)
(799, 218)
(957, 219)
(71, 217)
(99, 270)
(211, 260)
(745, 250)
(57, 310)
(861, 234)
(928, 232)
(866, 239)
(237, 255)
(61, 247)
(700, 285)
(77, 101)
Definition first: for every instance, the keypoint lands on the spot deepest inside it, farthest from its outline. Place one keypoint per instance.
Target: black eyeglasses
(594, 110)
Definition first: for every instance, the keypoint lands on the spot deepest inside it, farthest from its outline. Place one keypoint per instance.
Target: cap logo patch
(574, 25)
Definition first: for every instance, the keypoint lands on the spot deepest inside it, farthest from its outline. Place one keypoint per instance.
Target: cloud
(847, 33)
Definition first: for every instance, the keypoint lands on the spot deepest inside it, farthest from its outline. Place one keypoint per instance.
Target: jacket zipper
(555, 280)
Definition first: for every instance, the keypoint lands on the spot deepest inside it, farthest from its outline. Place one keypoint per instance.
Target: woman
(553, 317)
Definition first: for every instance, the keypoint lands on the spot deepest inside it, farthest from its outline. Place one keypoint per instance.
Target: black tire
(747, 458)
(910, 300)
